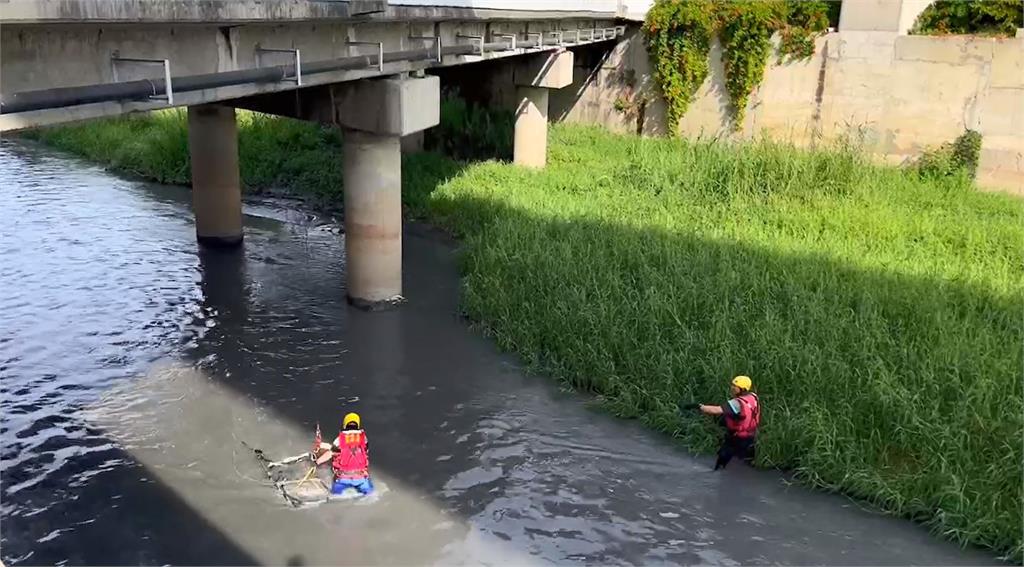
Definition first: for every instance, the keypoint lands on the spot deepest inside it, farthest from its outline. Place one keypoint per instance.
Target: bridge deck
(286, 11)
(76, 46)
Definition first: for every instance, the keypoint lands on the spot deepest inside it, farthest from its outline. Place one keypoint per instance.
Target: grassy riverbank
(879, 314)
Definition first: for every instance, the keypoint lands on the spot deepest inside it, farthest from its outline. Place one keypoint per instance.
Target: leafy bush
(983, 17)
(804, 22)
(958, 158)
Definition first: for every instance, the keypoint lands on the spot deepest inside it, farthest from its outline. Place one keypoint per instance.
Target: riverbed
(135, 368)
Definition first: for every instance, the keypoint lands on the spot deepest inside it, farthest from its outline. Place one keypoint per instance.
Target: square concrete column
(894, 16)
(533, 77)
(531, 133)
(375, 115)
(372, 173)
(216, 190)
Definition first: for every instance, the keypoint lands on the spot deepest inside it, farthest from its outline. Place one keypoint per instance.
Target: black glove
(690, 406)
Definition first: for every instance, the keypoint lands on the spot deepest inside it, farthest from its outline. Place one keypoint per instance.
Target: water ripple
(95, 286)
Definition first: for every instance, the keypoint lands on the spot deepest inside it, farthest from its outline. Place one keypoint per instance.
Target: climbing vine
(679, 38)
(746, 28)
(679, 34)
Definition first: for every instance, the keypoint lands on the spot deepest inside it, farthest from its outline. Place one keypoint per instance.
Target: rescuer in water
(741, 416)
(349, 456)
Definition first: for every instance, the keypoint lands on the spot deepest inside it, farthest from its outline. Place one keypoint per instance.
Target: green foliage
(290, 155)
(746, 28)
(834, 10)
(982, 17)
(873, 308)
(958, 158)
(147, 145)
(679, 34)
(273, 153)
(470, 131)
(805, 21)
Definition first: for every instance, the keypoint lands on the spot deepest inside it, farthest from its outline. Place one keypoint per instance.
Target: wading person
(350, 457)
(741, 416)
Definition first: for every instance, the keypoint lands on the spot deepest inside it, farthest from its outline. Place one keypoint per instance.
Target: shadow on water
(127, 517)
(522, 469)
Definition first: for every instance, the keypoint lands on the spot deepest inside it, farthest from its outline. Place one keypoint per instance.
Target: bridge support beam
(533, 78)
(216, 190)
(375, 115)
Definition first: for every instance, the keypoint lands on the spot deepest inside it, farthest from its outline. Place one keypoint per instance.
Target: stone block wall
(901, 94)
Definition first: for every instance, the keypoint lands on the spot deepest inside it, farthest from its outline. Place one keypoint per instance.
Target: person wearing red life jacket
(350, 457)
(741, 415)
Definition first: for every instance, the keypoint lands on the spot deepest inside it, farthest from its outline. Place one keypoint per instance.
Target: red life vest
(350, 459)
(745, 426)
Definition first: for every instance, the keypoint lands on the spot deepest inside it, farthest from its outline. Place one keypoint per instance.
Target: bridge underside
(201, 44)
(356, 65)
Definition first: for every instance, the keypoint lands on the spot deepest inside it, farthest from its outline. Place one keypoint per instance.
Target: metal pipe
(132, 90)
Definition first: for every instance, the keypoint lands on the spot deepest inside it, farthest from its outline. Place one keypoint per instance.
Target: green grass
(880, 314)
(273, 154)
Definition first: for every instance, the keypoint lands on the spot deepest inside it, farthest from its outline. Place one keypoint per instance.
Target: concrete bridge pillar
(375, 115)
(372, 169)
(894, 16)
(533, 78)
(531, 134)
(216, 190)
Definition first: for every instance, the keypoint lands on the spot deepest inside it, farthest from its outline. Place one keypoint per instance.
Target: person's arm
(730, 408)
(324, 457)
(711, 410)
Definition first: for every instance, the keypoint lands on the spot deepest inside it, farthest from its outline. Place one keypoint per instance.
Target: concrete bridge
(357, 64)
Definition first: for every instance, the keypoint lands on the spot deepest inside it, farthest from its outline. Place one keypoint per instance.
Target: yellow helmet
(349, 418)
(742, 382)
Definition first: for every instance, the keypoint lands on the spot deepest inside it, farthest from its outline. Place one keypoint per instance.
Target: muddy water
(134, 366)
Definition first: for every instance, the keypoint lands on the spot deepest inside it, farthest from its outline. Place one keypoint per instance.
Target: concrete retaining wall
(901, 93)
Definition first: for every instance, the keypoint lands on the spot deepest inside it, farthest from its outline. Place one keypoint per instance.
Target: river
(133, 366)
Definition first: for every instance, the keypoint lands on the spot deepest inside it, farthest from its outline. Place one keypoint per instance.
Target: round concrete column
(216, 191)
(373, 218)
(531, 137)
